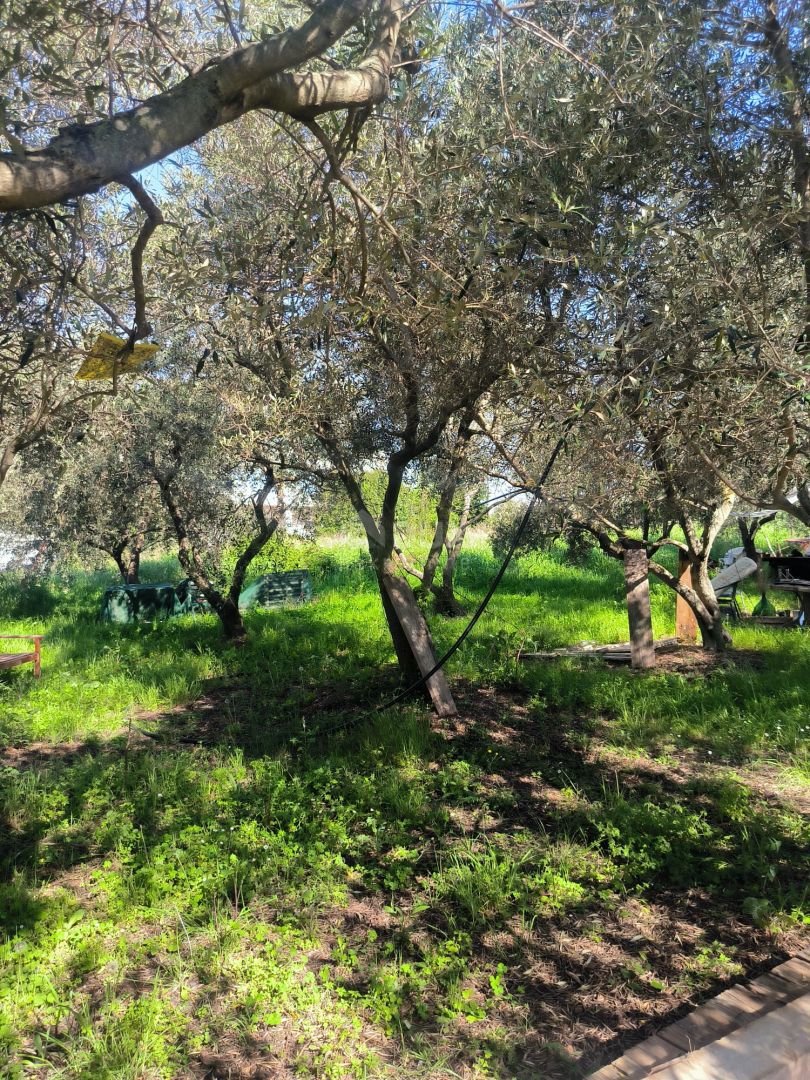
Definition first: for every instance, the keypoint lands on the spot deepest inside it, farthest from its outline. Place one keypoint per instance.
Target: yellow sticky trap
(105, 358)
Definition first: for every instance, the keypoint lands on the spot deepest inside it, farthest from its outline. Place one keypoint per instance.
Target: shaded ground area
(228, 863)
(504, 895)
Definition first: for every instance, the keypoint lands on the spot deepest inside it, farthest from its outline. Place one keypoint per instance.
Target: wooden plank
(742, 1001)
(773, 988)
(796, 972)
(686, 627)
(639, 615)
(713, 1024)
(10, 660)
(620, 650)
(608, 1072)
(638, 1062)
(774, 1045)
(711, 1021)
(779, 989)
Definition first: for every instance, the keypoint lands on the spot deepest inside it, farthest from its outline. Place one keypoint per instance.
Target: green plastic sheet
(138, 603)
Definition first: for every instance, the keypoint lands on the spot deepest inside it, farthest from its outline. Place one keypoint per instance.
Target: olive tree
(383, 301)
(453, 479)
(211, 461)
(87, 491)
(127, 88)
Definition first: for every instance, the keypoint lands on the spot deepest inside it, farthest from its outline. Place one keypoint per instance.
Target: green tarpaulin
(145, 603)
(138, 603)
(275, 590)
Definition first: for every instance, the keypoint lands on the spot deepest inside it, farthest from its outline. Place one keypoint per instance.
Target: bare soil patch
(693, 660)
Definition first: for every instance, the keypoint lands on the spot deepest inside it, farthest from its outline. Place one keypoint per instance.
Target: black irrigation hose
(332, 729)
(408, 691)
(479, 611)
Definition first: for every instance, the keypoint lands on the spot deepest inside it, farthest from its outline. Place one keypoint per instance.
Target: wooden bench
(10, 660)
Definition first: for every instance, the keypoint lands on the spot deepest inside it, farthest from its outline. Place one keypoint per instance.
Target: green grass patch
(392, 898)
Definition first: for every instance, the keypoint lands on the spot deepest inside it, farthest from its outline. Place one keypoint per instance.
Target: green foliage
(539, 533)
(216, 877)
(416, 508)
(482, 883)
(279, 554)
(712, 961)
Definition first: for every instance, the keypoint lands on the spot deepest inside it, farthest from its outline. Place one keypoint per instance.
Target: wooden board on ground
(617, 653)
(769, 620)
(716, 1020)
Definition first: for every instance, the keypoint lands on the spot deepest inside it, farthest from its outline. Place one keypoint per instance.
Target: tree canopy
(422, 242)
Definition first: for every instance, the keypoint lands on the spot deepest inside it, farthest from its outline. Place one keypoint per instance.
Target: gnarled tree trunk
(406, 623)
(446, 600)
(133, 569)
(410, 635)
(639, 615)
(701, 599)
(713, 634)
(225, 604)
(227, 611)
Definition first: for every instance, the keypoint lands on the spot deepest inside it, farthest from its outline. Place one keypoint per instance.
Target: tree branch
(83, 158)
(154, 218)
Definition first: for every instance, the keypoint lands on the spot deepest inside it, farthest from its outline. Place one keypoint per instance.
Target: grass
(235, 890)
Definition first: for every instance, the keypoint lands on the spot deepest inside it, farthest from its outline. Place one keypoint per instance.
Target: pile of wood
(614, 654)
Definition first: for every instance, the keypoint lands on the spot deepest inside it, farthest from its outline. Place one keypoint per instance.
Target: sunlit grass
(190, 885)
(96, 676)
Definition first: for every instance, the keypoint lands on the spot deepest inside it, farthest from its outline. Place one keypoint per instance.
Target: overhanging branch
(83, 158)
(154, 218)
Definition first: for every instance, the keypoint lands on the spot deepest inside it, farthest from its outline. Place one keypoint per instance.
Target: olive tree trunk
(639, 615)
(409, 631)
(410, 635)
(224, 603)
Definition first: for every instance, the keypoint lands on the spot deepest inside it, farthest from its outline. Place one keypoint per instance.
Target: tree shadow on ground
(660, 864)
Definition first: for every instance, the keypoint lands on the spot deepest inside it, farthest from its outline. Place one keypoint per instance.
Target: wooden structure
(686, 627)
(10, 660)
(792, 574)
(667, 1053)
(620, 653)
(802, 590)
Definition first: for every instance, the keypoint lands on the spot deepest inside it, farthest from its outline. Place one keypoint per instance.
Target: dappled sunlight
(581, 851)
